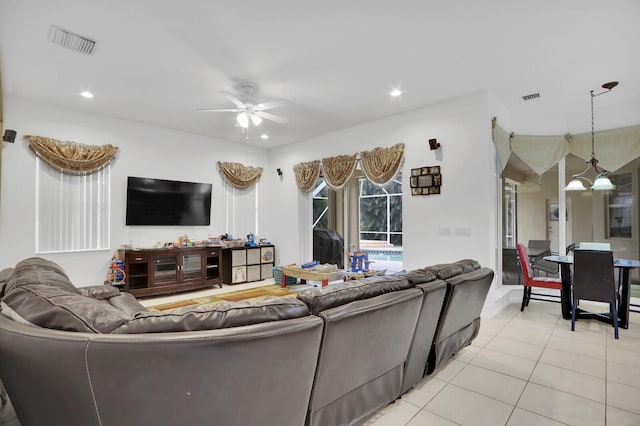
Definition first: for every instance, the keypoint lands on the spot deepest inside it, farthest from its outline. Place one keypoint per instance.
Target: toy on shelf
(359, 261)
(116, 271)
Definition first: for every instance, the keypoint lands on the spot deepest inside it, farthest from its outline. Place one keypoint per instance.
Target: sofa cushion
(221, 315)
(36, 270)
(448, 270)
(319, 299)
(50, 306)
(99, 292)
(5, 274)
(418, 276)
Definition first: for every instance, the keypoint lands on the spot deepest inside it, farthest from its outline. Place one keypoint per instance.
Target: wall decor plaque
(425, 180)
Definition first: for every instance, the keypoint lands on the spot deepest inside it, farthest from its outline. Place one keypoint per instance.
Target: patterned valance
(307, 174)
(338, 170)
(382, 164)
(70, 157)
(239, 175)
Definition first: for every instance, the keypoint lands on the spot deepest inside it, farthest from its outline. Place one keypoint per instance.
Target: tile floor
(523, 369)
(529, 369)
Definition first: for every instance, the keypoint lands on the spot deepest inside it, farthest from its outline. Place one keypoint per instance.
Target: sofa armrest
(99, 292)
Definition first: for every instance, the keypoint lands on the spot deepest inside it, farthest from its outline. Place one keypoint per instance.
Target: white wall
(468, 198)
(145, 151)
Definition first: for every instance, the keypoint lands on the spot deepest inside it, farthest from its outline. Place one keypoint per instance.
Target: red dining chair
(529, 281)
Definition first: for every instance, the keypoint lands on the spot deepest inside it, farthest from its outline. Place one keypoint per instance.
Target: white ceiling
(331, 62)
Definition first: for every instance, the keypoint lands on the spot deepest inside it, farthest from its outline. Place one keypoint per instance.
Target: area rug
(232, 296)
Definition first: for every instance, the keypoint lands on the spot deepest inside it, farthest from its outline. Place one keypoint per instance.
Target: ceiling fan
(248, 111)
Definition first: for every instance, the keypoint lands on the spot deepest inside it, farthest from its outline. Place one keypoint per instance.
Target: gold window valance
(307, 174)
(70, 157)
(382, 164)
(338, 170)
(239, 175)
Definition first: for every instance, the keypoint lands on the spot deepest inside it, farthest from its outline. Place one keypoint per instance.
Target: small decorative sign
(426, 180)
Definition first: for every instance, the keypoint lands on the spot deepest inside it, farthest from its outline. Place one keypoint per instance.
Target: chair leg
(615, 319)
(524, 298)
(574, 306)
(528, 295)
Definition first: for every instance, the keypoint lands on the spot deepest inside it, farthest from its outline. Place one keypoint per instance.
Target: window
(72, 212)
(620, 207)
(320, 194)
(381, 211)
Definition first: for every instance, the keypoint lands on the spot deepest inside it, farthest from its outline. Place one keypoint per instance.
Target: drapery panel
(338, 170)
(307, 174)
(70, 157)
(381, 165)
(613, 148)
(239, 175)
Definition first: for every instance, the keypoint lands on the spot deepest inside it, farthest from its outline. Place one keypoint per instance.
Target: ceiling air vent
(70, 40)
(531, 96)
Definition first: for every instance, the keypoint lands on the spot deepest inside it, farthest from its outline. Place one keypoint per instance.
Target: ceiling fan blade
(267, 105)
(234, 99)
(272, 117)
(219, 110)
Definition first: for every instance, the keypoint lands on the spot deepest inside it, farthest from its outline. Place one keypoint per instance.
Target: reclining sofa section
(336, 355)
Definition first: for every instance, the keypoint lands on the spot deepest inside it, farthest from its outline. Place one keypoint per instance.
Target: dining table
(624, 294)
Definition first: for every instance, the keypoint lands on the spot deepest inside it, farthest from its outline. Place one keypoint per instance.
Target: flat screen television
(162, 202)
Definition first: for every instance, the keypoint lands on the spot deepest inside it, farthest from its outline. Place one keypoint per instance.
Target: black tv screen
(167, 202)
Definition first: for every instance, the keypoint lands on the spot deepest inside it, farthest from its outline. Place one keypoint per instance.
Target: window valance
(307, 174)
(614, 148)
(338, 170)
(70, 157)
(239, 175)
(382, 164)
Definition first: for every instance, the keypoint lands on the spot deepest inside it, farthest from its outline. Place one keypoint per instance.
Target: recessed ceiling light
(395, 93)
(264, 136)
(86, 94)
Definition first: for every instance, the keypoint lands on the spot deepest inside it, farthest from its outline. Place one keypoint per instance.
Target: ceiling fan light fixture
(243, 120)
(395, 93)
(256, 119)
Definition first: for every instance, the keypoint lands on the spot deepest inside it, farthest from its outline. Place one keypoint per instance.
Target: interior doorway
(553, 219)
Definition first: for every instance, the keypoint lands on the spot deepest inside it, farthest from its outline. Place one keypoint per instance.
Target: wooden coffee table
(305, 274)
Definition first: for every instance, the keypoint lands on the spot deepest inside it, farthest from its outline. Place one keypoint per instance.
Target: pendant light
(602, 181)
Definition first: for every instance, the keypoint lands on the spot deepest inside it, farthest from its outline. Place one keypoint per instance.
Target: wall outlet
(444, 231)
(463, 232)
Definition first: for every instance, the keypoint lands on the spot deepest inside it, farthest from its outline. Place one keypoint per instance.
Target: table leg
(625, 300)
(565, 293)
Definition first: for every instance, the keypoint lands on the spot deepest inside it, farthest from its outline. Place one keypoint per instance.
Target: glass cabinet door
(165, 270)
(191, 266)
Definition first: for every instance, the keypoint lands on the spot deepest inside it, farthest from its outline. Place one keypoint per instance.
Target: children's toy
(359, 261)
(116, 271)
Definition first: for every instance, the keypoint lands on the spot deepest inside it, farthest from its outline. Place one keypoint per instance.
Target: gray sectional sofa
(331, 356)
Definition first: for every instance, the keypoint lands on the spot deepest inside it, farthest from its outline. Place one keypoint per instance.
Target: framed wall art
(425, 180)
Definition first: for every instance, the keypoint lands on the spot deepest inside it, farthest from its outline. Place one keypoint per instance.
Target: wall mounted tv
(162, 202)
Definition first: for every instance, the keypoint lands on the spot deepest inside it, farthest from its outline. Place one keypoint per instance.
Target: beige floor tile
(561, 406)
(577, 346)
(424, 391)
(395, 414)
(623, 396)
(468, 408)
(618, 417)
(449, 371)
(490, 383)
(492, 327)
(580, 363)
(624, 374)
(510, 365)
(513, 347)
(621, 356)
(426, 418)
(482, 340)
(579, 384)
(626, 342)
(521, 417)
(526, 336)
(467, 354)
(532, 325)
(584, 332)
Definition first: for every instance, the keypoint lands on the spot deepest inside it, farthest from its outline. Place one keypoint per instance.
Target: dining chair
(529, 281)
(594, 280)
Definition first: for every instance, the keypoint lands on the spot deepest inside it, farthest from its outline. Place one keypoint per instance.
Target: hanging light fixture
(602, 181)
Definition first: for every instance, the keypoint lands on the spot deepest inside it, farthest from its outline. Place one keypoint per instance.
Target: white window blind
(241, 210)
(72, 212)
